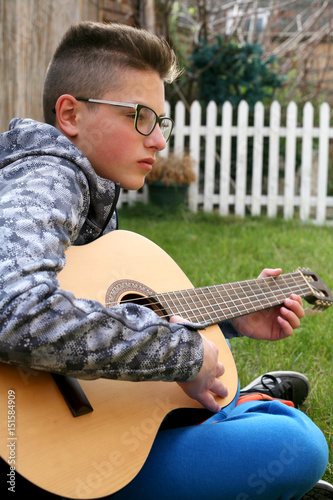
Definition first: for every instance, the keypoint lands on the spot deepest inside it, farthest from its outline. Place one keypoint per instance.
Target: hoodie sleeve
(43, 204)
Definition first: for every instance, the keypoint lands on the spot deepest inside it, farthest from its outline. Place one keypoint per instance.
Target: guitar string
(288, 283)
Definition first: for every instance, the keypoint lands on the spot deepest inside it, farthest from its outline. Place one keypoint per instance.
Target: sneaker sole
(321, 491)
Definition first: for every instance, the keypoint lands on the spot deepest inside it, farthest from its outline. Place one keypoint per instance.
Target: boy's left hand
(274, 323)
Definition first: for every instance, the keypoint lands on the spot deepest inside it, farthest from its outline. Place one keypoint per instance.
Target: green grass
(212, 249)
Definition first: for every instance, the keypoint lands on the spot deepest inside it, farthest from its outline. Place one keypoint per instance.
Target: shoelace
(283, 390)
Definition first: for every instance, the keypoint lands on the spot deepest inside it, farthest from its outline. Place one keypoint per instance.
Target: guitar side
(99, 453)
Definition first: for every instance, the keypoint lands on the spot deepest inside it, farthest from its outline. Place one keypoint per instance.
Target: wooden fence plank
(179, 133)
(323, 163)
(290, 161)
(225, 173)
(241, 162)
(209, 174)
(273, 159)
(195, 124)
(165, 152)
(258, 152)
(306, 165)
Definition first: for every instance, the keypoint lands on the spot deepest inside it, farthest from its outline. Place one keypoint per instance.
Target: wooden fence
(265, 161)
(30, 30)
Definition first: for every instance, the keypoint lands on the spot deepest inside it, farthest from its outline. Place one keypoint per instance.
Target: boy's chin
(133, 185)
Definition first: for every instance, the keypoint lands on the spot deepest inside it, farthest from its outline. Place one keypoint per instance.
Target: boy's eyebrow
(161, 115)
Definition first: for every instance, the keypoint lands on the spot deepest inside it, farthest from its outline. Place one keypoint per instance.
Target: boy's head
(105, 91)
(91, 56)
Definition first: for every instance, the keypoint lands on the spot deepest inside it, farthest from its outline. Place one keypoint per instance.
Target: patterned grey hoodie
(51, 198)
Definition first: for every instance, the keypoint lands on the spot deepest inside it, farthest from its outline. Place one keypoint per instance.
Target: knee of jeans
(307, 448)
(300, 454)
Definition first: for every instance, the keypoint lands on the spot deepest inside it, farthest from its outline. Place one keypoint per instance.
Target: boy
(59, 186)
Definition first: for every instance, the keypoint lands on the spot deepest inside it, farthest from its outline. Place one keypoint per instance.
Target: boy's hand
(274, 323)
(199, 388)
(207, 379)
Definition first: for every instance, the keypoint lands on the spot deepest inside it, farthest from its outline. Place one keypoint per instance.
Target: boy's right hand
(199, 388)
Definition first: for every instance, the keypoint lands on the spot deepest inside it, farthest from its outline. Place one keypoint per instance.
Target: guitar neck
(212, 304)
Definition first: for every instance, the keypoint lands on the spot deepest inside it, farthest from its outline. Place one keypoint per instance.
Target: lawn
(212, 249)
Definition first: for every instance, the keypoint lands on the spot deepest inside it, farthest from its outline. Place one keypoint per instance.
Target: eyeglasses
(145, 119)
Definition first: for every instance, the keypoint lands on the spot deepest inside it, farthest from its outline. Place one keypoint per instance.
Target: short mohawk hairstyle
(89, 57)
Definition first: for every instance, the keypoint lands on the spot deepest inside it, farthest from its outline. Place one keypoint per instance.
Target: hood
(28, 137)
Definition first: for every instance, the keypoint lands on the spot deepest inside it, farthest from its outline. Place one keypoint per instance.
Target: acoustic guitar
(87, 439)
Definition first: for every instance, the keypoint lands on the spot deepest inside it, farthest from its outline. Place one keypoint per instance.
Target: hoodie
(51, 198)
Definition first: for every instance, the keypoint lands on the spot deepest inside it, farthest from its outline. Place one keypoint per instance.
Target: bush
(233, 72)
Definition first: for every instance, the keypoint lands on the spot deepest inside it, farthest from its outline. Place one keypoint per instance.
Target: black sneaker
(290, 386)
(322, 491)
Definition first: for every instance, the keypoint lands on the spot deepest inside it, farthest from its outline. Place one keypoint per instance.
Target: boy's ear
(67, 114)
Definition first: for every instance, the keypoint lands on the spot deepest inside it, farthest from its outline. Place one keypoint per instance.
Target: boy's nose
(156, 139)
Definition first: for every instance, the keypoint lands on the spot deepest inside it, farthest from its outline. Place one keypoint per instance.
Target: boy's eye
(146, 115)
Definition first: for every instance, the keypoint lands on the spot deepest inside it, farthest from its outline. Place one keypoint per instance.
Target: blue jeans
(257, 450)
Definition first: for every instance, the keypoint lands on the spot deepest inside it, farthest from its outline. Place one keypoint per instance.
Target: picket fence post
(210, 148)
(258, 150)
(225, 168)
(306, 166)
(195, 133)
(323, 156)
(273, 160)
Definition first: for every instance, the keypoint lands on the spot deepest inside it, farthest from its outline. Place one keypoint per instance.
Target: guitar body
(97, 454)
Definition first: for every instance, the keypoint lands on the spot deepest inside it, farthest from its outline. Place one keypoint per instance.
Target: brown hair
(90, 55)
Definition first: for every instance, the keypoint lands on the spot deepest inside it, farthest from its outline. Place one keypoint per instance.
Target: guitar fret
(209, 305)
(205, 315)
(190, 303)
(185, 301)
(233, 297)
(252, 299)
(209, 308)
(214, 304)
(286, 286)
(173, 303)
(225, 314)
(258, 288)
(296, 284)
(193, 305)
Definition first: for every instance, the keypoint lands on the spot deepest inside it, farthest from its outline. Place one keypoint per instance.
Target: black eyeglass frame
(137, 108)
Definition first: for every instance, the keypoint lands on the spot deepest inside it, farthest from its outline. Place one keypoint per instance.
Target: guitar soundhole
(135, 292)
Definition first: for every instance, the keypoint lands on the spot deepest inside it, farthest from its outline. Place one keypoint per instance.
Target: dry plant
(174, 169)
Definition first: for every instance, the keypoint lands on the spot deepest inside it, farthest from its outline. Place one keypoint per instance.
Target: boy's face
(107, 135)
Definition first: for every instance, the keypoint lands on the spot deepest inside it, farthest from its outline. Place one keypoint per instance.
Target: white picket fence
(275, 183)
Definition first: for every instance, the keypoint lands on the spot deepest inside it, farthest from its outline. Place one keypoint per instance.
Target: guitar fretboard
(216, 303)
